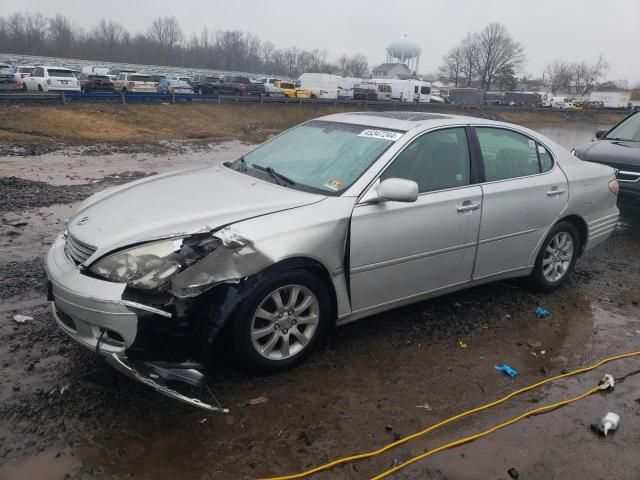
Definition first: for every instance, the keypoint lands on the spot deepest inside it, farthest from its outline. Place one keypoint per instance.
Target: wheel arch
(581, 225)
(222, 301)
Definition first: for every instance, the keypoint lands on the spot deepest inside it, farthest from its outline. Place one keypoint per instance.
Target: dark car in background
(619, 148)
(204, 83)
(10, 82)
(238, 85)
(95, 83)
(360, 93)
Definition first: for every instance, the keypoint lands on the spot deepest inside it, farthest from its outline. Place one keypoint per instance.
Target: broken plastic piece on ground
(607, 382)
(155, 376)
(513, 473)
(425, 405)
(22, 318)
(609, 422)
(542, 312)
(506, 369)
(254, 401)
(462, 344)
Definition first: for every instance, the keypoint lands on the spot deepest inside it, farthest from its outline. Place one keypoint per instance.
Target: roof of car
(400, 120)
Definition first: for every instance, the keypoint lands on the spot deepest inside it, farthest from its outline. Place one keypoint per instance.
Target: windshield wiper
(276, 176)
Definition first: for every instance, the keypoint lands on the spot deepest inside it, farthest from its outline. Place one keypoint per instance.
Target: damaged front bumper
(156, 378)
(93, 313)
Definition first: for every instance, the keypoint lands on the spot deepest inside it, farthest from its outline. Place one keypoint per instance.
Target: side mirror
(600, 133)
(397, 190)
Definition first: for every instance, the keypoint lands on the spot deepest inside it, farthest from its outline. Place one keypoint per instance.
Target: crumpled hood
(175, 204)
(613, 152)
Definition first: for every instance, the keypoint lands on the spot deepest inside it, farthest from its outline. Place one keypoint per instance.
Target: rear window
(98, 77)
(140, 78)
(242, 80)
(60, 73)
(287, 85)
(26, 69)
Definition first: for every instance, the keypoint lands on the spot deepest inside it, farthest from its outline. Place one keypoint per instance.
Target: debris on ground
(506, 369)
(608, 423)
(513, 473)
(542, 312)
(535, 344)
(425, 405)
(254, 401)
(22, 318)
(462, 344)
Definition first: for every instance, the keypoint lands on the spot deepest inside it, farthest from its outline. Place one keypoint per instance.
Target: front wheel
(556, 258)
(281, 321)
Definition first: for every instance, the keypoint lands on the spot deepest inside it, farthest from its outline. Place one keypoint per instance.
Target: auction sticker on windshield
(383, 134)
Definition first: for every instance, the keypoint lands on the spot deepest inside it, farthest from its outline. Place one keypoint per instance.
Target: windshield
(60, 73)
(321, 156)
(627, 130)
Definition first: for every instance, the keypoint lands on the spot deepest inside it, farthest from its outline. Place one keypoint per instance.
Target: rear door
(524, 193)
(401, 250)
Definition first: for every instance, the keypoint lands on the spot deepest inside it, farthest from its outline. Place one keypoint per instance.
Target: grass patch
(83, 124)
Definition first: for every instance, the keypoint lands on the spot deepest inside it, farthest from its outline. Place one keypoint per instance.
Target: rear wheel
(556, 258)
(40, 89)
(281, 321)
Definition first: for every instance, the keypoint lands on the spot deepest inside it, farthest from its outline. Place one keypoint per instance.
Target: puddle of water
(569, 135)
(47, 465)
(69, 168)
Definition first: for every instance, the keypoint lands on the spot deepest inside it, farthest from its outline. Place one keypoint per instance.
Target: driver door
(402, 250)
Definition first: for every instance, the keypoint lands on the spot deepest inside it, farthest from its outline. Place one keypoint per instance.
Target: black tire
(40, 89)
(124, 90)
(538, 280)
(24, 87)
(242, 321)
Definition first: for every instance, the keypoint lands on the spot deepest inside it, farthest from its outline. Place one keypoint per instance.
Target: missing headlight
(151, 266)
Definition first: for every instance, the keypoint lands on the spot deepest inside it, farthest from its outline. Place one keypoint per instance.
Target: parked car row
(310, 85)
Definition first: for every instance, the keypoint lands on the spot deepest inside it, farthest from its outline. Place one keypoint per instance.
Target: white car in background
(48, 79)
(135, 82)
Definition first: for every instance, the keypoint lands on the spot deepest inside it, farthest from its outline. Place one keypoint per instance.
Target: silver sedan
(332, 221)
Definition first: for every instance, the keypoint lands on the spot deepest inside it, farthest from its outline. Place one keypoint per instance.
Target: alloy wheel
(557, 257)
(285, 322)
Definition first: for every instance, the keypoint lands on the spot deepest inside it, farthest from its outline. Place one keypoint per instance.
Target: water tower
(404, 50)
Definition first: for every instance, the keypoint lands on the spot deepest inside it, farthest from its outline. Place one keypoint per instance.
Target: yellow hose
(406, 439)
(470, 438)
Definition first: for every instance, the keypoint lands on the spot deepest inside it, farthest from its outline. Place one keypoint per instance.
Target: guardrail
(131, 97)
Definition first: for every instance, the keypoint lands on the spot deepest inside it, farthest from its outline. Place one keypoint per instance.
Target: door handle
(467, 206)
(555, 191)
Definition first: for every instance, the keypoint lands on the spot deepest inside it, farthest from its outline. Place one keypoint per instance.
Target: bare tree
(167, 34)
(62, 34)
(452, 66)
(496, 51)
(559, 73)
(354, 66)
(584, 75)
(470, 52)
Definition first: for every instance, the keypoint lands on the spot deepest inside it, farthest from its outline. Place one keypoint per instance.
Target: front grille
(76, 250)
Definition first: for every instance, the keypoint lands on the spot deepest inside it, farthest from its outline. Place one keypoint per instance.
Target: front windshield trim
(239, 166)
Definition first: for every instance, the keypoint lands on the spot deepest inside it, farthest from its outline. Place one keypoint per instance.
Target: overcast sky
(548, 29)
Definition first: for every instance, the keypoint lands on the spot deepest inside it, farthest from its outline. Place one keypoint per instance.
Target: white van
(346, 86)
(421, 91)
(401, 90)
(47, 79)
(321, 85)
(563, 103)
(382, 89)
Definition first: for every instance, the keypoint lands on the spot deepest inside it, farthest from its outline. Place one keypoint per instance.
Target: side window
(435, 161)
(546, 162)
(507, 154)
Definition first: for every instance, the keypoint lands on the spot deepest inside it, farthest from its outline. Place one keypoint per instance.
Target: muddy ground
(371, 382)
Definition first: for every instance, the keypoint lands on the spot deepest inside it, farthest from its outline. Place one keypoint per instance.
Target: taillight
(132, 84)
(614, 186)
(48, 81)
